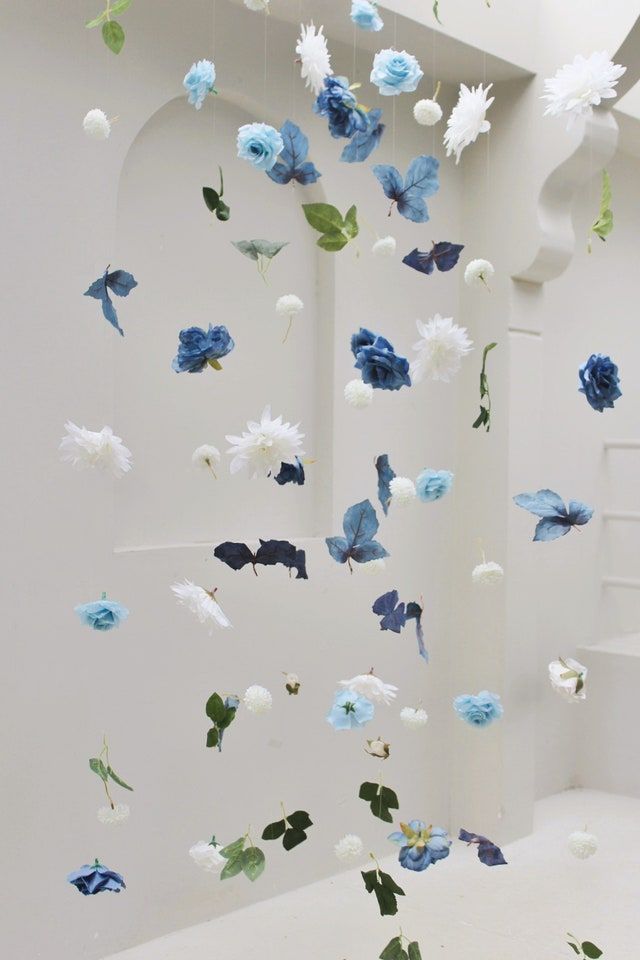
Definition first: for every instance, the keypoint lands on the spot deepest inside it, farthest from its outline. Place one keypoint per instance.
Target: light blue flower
(420, 845)
(199, 82)
(260, 144)
(433, 484)
(395, 72)
(478, 710)
(102, 614)
(95, 878)
(350, 710)
(365, 15)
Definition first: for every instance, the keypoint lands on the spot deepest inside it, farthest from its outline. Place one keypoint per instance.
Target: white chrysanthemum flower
(349, 848)
(90, 448)
(403, 491)
(442, 347)
(314, 57)
(487, 572)
(580, 86)
(257, 4)
(205, 456)
(117, 814)
(568, 678)
(582, 845)
(477, 273)
(371, 687)
(384, 247)
(427, 112)
(201, 603)
(373, 567)
(257, 699)
(265, 446)
(207, 856)
(413, 717)
(97, 125)
(467, 119)
(358, 394)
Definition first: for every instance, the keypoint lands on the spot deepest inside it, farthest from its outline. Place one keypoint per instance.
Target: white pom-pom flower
(207, 856)
(358, 394)
(403, 491)
(384, 247)
(440, 350)
(257, 699)
(265, 445)
(373, 567)
(289, 306)
(477, 273)
(371, 687)
(349, 848)
(581, 85)
(96, 125)
(84, 448)
(314, 57)
(413, 717)
(201, 603)
(488, 572)
(582, 845)
(467, 119)
(116, 814)
(427, 112)
(568, 677)
(205, 456)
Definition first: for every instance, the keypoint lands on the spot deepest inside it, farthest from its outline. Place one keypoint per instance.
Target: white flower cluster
(84, 448)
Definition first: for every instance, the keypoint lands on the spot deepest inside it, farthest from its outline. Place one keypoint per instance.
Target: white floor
(458, 908)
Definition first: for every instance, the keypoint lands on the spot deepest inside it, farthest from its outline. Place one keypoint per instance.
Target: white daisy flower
(403, 491)
(442, 347)
(568, 678)
(358, 394)
(205, 456)
(488, 572)
(427, 112)
(257, 699)
(371, 687)
(582, 844)
(201, 603)
(384, 247)
(207, 856)
(373, 567)
(580, 86)
(117, 814)
(477, 273)
(349, 848)
(314, 57)
(97, 125)
(89, 448)
(413, 717)
(467, 119)
(265, 446)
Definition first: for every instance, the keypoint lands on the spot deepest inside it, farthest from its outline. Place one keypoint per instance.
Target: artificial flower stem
(288, 328)
(436, 91)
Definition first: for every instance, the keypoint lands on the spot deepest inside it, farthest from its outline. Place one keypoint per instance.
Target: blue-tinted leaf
(488, 853)
(443, 255)
(235, 555)
(291, 473)
(555, 520)
(360, 526)
(414, 612)
(550, 528)
(338, 548)
(544, 503)
(579, 512)
(121, 283)
(363, 143)
(369, 550)
(409, 195)
(291, 164)
(392, 613)
(270, 552)
(385, 476)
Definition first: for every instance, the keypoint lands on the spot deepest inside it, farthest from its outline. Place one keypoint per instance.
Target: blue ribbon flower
(201, 347)
(95, 878)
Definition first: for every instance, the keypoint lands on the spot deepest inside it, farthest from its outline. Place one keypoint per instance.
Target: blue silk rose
(433, 484)
(260, 144)
(95, 878)
(365, 15)
(478, 710)
(394, 73)
(201, 347)
(600, 381)
(378, 361)
(199, 82)
(338, 103)
(102, 614)
(420, 845)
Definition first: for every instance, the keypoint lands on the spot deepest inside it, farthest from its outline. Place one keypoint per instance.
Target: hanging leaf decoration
(394, 616)
(118, 282)
(364, 142)
(336, 231)
(394, 950)
(222, 713)
(409, 194)
(443, 255)
(292, 828)
(112, 32)
(269, 553)
(292, 163)
(291, 473)
(240, 859)
(484, 417)
(261, 252)
(385, 476)
(603, 224)
(488, 852)
(556, 519)
(360, 525)
(385, 889)
(214, 202)
(382, 800)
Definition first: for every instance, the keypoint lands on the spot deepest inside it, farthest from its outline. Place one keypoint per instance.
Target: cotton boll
(97, 125)
(289, 305)
(427, 112)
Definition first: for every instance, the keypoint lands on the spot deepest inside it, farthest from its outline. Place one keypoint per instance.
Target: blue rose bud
(394, 73)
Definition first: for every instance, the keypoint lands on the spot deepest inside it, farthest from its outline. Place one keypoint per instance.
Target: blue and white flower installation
(199, 82)
(96, 878)
(600, 382)
(350, 710)
(260, 144)
(200, 348)
(479, 709)
(395, 72)
(420, 845)
(102, 614)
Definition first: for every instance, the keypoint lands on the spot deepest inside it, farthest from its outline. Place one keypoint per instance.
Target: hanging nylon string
(213, 57)
(393, 106)
(264, 84)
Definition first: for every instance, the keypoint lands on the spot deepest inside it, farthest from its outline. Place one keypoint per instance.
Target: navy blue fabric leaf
(392, 613)
(269, 553)
(555, 519)
(414, 612)
(385, 476)
(360, 525)
(291, 473)
(443, 255)
(488, 852)
(364, 142)
(121, 284)
(235, 555)
(409, 194)
(292, 163)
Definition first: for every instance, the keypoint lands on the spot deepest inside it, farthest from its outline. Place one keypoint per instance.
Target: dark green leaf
(211, 198)
(389, 798)
(292, 838)
(233, 849)
(368, 790)
(574, 947)
(393, 950)
(229, 712)
(386, 901)
(223, 212)
(300, 820)
(113, 35)
(221, 181)
(590, 950)
(215, 708)
(387, 881)
(274, 830)
(351, 223)
(370, 878)
(232, 868)
(98, 767)
(323, 217)
(114, 776)
(212, 737)
(253, 862)
(414, 951)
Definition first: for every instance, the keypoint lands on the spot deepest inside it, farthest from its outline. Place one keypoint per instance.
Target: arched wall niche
(190, 274)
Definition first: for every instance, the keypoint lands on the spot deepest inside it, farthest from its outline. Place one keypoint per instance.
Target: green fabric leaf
(387, 881)
(332, 242)
(393, 950)
(223, 212)
(99, 768)
(273, 831)
(370, 878)
(211, 198)
(590, 950)
(323, 217)
(215, 708)
(98, 20)
(212, 737)
(368, 790)
(603, 224)
(292, 838)
(436, 11)
(233, 849)
(233, 867)
(575, 948)
(116, 779)
(253, 863)
(385, 889)
(120, 6)
(300, 820)
(351, 223)
(253, 249)
(414, 951)
(113, 35)
(484, 417)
